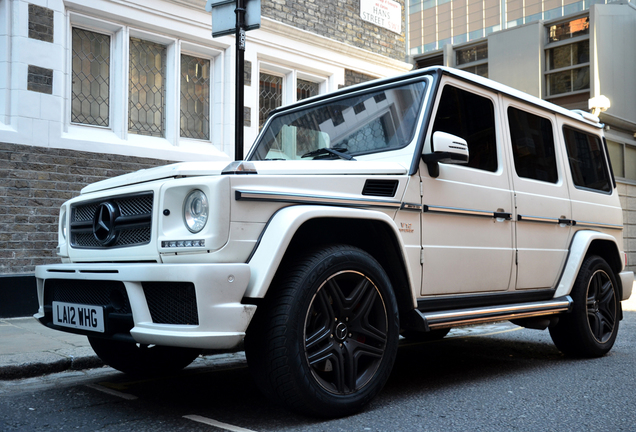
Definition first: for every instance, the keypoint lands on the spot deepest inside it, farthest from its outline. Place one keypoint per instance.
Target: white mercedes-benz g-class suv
(403, 206)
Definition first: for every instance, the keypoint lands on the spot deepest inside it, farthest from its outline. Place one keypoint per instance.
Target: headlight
(195, 211)
(63, 223)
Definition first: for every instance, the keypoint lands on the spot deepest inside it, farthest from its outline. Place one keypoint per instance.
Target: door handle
(500, 214)
(565, 221)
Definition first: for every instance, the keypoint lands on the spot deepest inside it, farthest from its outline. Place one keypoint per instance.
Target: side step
(462, 317)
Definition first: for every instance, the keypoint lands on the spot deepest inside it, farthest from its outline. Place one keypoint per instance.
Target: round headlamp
(195, 211)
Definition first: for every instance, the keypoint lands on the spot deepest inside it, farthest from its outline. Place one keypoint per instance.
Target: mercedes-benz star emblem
(104, 223)
(341, 331)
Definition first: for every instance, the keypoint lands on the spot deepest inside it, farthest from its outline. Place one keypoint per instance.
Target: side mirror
(445, 148)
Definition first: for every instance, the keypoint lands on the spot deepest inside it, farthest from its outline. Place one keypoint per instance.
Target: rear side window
(471, 117)
(587, 160)
(532, 146)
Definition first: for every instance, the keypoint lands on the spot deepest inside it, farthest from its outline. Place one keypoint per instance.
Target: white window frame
(117, 131)
(290, 76)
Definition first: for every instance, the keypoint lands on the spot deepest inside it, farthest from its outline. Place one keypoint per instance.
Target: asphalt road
(490, 378)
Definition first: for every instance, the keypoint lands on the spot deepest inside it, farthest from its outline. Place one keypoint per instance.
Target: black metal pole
(240, 79)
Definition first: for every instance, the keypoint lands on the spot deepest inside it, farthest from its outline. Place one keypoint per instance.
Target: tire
(325, 339)
(429, 336)
(590, 329)
(142, 360)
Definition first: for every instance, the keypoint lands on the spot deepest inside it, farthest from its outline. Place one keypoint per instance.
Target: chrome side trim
(459, 211)
(526, 218)
(293, 198)
(598, 225)
(411, 207)
(462, 317)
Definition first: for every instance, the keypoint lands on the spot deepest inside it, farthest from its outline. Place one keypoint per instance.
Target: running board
(462, 317)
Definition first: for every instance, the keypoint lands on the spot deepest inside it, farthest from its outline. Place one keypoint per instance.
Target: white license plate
(78, 316)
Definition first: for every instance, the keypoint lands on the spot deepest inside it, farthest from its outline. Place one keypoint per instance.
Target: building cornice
(303, 36)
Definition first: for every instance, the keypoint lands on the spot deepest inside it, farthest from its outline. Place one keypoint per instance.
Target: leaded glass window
(195, 97)
(306, 89)
(146, 103)
(91, 78)
(270, 95)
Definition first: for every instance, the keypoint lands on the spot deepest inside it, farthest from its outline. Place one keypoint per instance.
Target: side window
(471, 117)
(532, 146)
(587, 160)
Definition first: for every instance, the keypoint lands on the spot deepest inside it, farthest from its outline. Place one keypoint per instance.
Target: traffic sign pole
(240, 80)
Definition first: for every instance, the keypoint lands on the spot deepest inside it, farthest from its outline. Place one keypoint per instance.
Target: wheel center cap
(341, 331)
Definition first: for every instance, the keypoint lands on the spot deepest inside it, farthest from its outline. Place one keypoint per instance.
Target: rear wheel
(326, 338)
(590, 329)
(143, 360)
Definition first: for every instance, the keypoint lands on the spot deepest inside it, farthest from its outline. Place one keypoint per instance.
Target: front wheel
(142, 360)
(325, 340)
(590, 329)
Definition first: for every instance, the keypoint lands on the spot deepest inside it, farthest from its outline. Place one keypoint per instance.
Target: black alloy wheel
(324, 340)
(345, 332)
(590, 329)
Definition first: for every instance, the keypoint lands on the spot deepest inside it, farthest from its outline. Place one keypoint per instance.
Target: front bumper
(217, 293)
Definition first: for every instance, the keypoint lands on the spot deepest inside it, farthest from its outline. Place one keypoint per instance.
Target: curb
(30, 370)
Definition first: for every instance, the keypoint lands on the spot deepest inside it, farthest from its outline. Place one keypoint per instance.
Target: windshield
(376, 121)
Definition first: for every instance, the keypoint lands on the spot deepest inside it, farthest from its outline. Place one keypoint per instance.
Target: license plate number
(79, 316)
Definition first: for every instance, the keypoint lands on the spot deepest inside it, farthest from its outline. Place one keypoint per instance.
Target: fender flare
(578, 249)
(280, 231)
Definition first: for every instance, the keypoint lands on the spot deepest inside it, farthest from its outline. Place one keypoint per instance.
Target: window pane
(587, 160)
(616, 156)
(468, 55)
(560, 57)
(471, 117)
(91, 78)
(560, 82)
(581, 78)
(577, 27)
(270, 95)
(581, 52)
(371, 122)
(195, 97)
(306, 89)
(532, 146)
(630, 162)
(146, 102)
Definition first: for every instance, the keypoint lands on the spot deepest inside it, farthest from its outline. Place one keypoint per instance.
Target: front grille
(132, 222)
(172, 302)
(88, 292)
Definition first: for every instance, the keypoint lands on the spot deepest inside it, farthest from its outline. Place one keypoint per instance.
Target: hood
(309, 167)
(183, 169)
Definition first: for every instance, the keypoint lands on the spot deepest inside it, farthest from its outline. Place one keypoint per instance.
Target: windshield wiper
(336, 151)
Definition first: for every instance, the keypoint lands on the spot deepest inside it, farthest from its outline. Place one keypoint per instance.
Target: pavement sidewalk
(28, 349)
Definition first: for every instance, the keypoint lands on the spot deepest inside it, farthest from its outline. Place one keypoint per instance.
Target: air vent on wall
(383, 188)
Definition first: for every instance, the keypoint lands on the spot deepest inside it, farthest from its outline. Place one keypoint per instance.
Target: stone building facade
(96, 88)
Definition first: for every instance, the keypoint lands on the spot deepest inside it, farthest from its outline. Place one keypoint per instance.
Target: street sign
(224, 16)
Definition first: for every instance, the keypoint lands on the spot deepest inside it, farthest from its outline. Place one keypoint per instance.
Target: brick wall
(339, 20)
(353, 77)
(34, 182)
(627, 193)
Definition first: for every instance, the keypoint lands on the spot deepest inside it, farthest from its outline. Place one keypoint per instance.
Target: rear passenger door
(543, 214)
(465, 247)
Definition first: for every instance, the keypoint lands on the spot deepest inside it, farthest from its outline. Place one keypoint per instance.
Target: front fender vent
(382, 188)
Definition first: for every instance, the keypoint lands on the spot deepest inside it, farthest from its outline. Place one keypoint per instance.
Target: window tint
(471, 117)
(587, 160)
(532, 146)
